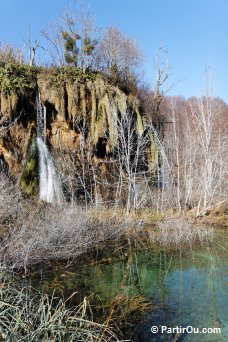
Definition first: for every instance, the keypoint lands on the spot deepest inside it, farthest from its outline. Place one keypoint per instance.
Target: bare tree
(196, 145)
(71, 40)
(88, 39)
(32, 49)
(62, 39)
(130, 154)
(118, 53)
(10, 54)
(205, 112)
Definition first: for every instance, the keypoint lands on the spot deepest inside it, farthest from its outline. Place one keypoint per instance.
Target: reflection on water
(188, 287)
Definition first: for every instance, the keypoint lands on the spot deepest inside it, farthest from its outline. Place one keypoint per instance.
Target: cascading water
(49, 184)
(41, 118)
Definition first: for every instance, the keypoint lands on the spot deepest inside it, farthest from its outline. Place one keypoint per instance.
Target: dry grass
(216, 214)
(124, 308)
(29, 315)
(119, 215)
(178, 231)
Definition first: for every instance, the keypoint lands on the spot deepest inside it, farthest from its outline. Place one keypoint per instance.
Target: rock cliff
(79, 107)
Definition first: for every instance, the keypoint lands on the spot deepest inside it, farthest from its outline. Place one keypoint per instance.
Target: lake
(187, 287)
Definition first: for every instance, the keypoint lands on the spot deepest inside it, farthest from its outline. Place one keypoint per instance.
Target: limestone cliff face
(86, 106)
(15, 128)
(78, 107)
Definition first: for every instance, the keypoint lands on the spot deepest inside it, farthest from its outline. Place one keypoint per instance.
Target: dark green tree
(87, 48)
(71, 53)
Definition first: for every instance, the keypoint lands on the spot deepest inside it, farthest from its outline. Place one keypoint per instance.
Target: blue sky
(195, 33)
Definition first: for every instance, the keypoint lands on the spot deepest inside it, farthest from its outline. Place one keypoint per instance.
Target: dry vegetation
(29, 315)
(32, 233)
(56, 233)
(10, 54)
(177, 232)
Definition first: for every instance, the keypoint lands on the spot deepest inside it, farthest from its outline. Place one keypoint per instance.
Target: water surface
(188, 286)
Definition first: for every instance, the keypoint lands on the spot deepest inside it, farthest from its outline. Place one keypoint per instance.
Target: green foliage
(71, 49)
(70, 73)
(17, 77)
(76, 55)
(88, 45)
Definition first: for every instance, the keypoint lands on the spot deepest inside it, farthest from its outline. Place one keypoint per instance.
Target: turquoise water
(187, 286)
(191, 295)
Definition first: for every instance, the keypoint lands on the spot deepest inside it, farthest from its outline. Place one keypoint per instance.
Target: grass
(119, 215)
(125, 309)
(29, 315)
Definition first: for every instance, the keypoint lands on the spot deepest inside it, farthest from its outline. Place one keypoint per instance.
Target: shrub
(53, 233)
(178, 231)
(17, 78)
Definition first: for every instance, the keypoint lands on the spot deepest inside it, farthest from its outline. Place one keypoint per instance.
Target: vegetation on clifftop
(17, 78)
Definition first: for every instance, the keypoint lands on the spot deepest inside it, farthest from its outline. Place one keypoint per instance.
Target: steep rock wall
(80, 108)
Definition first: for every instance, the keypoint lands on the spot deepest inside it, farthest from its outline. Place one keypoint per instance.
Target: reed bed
(29, 315)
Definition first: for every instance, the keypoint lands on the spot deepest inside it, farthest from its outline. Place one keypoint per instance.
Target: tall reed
(29, 315)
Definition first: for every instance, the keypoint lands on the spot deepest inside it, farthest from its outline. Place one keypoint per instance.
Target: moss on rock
(30, 178)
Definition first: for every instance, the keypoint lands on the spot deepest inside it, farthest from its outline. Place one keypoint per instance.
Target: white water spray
(49, 184)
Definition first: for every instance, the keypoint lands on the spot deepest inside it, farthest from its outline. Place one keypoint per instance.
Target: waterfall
(49, 183)
(41, 118)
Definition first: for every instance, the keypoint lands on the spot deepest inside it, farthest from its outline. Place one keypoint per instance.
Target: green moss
(112, 120)
(140, 128)
(153, 154)
(29, 177)
(121, 103)
(93, 114)
(83, 100)
(100, 122)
